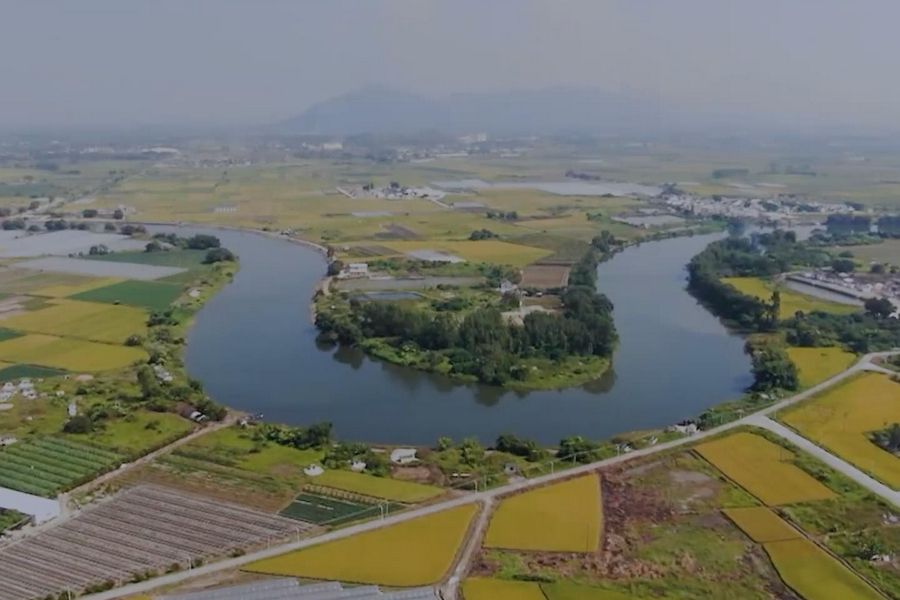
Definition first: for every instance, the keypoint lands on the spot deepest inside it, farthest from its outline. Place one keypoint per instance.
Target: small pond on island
(253, 346)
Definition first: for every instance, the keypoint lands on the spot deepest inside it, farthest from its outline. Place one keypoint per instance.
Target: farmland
(144, 530)
(791, 301)
(814, 574)
(68, 354)
(815, 365)
(498, 589)
(842, 417)
(569, 514)
(151, 295)
(763, 468)
(411, 553)
(318, 509)
(84, 320)
(761, 524)
(46, 466)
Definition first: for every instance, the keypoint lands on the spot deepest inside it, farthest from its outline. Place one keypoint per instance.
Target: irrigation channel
(254, 348)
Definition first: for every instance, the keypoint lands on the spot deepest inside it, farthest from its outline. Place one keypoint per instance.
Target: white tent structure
(42, 509)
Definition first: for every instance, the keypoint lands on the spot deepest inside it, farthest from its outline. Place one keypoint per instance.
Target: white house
(358, 466)
(404, 456)
(313, 470)
(355, 271)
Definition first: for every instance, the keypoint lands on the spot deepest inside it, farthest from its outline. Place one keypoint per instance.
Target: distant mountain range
(381, 110)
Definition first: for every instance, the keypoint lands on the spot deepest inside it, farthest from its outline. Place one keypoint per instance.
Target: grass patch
(151, 295)
(412, 553)
(141, 431)
(85, 320)
(814, 574)
(378, 487)
(185, 259)
(815, 365)
(841, 418)
(8, 334)
(29, 371)
(761, 524)
(47, 466)
(763, 468)
(791, 301)
(68, 354)
(569, 515)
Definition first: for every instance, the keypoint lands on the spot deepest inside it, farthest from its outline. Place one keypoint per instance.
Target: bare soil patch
(545, 276)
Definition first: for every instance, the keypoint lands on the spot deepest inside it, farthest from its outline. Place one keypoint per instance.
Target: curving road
(486, 498)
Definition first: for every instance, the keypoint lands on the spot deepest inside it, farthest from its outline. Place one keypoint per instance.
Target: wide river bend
(253, 347)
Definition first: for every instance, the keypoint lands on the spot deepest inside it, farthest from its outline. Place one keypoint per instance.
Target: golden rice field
(791, 301)
(478, 588)
(814, 574)
(764, 469)
(378, 487)
(841, 418)
(567, 590)
(412, 553)
(563, 517)
(85, 320)
(67, 353)
(761, 524)
(815, 365)
(491, 251)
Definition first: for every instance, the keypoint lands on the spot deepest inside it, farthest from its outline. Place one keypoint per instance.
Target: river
(254, 348)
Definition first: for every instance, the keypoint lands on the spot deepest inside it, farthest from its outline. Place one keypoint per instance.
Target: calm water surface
(254, 348)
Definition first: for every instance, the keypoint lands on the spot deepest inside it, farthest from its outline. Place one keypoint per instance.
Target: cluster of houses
(354, 271)
(399, 456)
(25, 387)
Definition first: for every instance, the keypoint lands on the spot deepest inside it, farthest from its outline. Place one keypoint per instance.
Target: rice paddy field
(761, 524)
(481, 588)
(412, 553)
(83, 320)
(814, 574)
(841, 419)
(791, 301)
(569, 515)
(49, 465)
(815, 365)
(68, 354)
(763, 468)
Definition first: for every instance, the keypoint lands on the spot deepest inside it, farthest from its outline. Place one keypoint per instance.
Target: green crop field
(30, 371)
(185, 259)
(152, 295)
(333, 511)
(47, 466)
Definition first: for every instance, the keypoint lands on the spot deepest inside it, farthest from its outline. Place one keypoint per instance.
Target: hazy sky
(131, 62)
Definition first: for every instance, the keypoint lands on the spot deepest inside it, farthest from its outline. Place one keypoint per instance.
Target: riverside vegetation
(472, 339)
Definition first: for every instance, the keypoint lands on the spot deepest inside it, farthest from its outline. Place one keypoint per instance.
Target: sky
(89, 63)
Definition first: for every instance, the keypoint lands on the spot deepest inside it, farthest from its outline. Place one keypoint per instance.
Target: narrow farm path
(864, 364)
(450, 589)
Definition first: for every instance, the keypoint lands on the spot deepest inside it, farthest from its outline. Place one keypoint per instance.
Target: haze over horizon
(228, 63)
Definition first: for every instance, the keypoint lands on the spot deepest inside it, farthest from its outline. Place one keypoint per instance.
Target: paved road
(864, 364)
